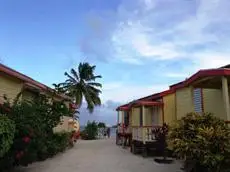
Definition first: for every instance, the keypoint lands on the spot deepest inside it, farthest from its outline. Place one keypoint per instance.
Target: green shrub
(90, 132)
(7, 161)
(202, 139)
(84, 135)
(59, 142)
(7, 131)
(160, 135)
(34, 137)
(101, 125)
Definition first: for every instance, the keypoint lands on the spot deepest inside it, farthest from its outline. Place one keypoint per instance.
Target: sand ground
(99, 156)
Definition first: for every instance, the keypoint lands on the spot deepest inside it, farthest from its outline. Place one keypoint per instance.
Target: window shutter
(197, 100)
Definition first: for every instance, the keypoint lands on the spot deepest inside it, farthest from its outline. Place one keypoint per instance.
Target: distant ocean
(112, 130)
(82, 128)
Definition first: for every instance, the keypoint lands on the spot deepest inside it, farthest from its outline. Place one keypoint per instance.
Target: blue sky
(139, 46)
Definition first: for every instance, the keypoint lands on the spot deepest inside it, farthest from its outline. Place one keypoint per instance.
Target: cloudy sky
(139, 46)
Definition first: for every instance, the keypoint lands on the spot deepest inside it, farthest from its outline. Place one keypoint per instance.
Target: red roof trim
(148, 98)
(31, 87)
(123, 108)
(173, 88)
(158, 95)
(177, 85)
(147, 103)
(209, 72)
(167, 92)
(20, 76)
(200, 74)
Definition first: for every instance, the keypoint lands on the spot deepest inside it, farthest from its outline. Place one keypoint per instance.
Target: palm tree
(101, 125)
(81, 85)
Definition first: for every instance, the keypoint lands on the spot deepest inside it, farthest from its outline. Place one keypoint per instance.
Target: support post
(163, 115)
(143, 123)
(226, 97)
(117, 117)
(122, 117)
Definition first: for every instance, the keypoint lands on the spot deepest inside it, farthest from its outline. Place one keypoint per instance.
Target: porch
(124, 120)
(146, 115)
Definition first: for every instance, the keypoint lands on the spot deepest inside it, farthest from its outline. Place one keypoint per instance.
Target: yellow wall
(135, 116)
(153, 116)
(148, 116)
(213, 102)
(120, 117)
(159, 118)
(169, 108)
(157, 115)
(10, 87)
(184, 102)
(63, 126)
(130, 118)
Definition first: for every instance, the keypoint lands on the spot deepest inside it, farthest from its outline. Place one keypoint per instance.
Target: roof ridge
(25, 78)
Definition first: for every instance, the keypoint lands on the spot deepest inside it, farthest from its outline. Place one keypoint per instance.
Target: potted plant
(161, 144)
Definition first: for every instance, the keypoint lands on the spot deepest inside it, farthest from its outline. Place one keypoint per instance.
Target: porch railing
(137, 133)
(144, 133)
(124, 130)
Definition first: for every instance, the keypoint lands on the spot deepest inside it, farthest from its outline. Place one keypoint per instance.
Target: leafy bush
(101, 125)
(83, 135)
(90, 132)
(7, 130)
(34, 138)
(203, 140)
(160, 135)
(58, 143)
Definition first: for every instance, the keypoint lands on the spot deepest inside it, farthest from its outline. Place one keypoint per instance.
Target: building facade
(17, 85)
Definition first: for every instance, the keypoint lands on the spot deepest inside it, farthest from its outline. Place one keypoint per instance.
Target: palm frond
(93, 89)
(75, 74)
(70, 77)
(97, 76)
(89, 99)
(80, 85)
(94, 84)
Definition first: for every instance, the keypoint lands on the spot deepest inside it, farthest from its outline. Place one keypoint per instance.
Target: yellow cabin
(205, 91)
(144, 115)
(13, 84)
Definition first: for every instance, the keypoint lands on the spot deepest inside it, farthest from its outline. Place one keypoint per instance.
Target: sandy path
(99, 156)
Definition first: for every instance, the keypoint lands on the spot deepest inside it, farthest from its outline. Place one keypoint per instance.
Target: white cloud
(176, 75)
(140, 30)
(104, 113)
(142, 37)
(126, 92)
(211, 60)
(187, 34)
(111, 86)
(149, 4)
(194, 33)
